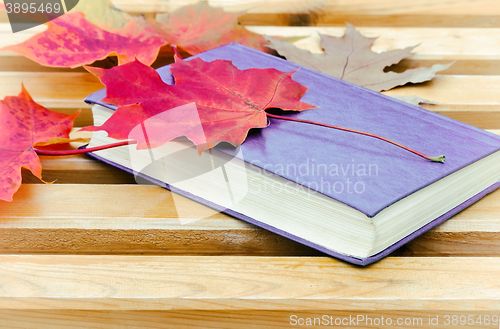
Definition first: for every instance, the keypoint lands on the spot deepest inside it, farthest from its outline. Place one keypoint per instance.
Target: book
(352, 197)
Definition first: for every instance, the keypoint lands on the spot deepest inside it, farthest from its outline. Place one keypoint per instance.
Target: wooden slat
(125, 219)
(258, 7)
(78, 170)
(449, 90)
(135, 219)
(69, 88)
(480, 13)
(240, 319)
(14, 62)
(237, 283)
(451, 13)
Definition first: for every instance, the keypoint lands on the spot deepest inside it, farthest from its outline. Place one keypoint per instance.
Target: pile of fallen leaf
(95, 30)
(98, 30)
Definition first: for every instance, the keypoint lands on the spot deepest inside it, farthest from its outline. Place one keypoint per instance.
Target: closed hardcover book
(349, 196)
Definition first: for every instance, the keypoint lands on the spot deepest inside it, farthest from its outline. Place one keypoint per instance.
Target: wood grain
(264, 283)
(110, 219)
(77, 170)
(61, 319)
(69, 88)
(451, 13)
(13, 62)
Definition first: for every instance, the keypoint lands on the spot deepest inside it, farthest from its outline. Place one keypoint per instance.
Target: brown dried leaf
(350, 58)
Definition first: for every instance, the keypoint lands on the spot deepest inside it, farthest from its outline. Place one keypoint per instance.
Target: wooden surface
(94, 250)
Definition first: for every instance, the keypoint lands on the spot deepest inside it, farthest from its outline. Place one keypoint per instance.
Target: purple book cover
(366, 174)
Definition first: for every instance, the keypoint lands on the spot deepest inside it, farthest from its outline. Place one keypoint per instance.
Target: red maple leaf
(209, 103)
(23, 125)
(72, 41)
(200, 27)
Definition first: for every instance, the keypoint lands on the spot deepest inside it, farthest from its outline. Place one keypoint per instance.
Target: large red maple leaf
(210, 102)
(23, 125)
(72, 41)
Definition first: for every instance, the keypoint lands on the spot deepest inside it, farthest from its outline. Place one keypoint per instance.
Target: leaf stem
(83, 150)
(439, 158)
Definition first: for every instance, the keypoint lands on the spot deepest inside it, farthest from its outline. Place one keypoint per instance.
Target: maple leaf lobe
(72, 41)
(25, 124)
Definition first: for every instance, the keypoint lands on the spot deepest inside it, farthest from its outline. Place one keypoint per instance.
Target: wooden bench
(95, 250)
